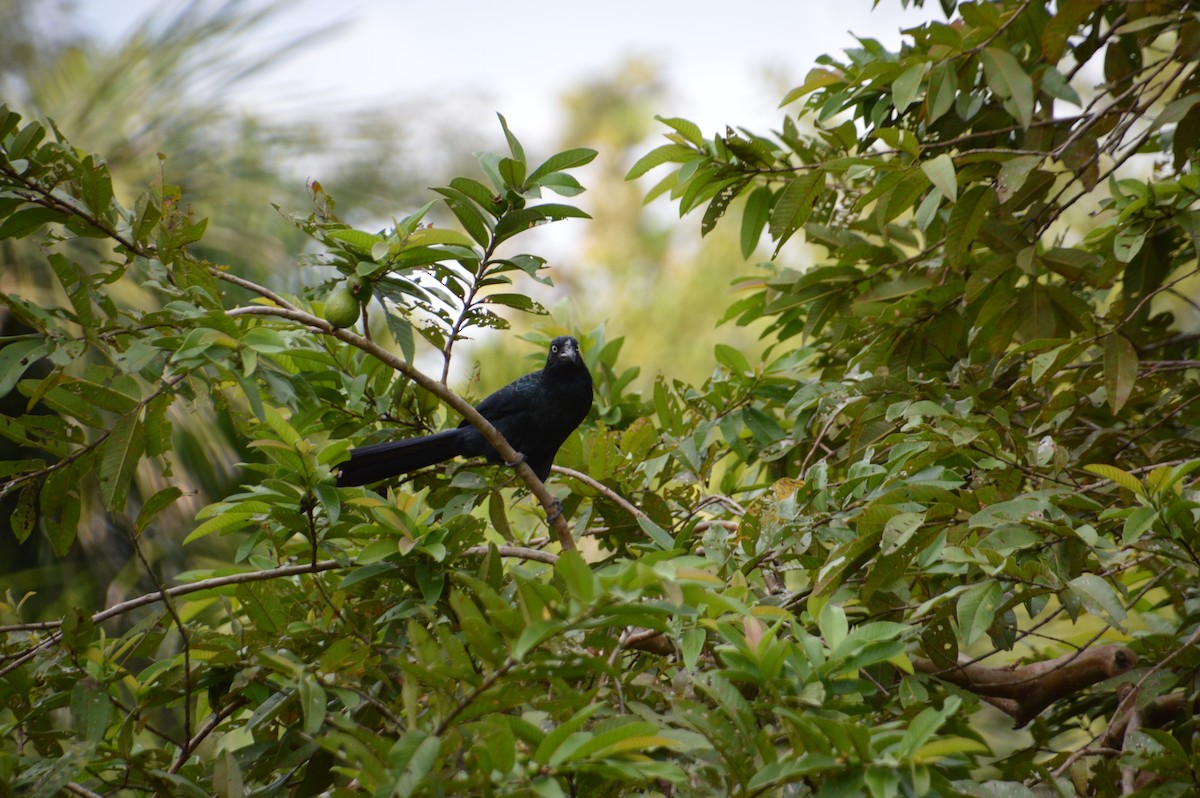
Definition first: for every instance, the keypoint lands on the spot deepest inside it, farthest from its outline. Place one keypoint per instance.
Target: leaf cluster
(967, 457)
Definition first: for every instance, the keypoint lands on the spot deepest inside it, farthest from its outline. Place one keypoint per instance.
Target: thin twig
(837, 411)
(81, 791)
(186, 643)
(602, 489)
(478, 691)
(209, 726)
(518, 552)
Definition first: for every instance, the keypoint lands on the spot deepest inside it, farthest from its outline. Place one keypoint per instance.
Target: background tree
(162, 89)
(955, 495)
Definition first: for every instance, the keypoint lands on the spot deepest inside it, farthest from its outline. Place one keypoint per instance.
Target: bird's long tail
(372, 463)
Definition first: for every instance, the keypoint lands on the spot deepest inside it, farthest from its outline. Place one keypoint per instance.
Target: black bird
(535, 414)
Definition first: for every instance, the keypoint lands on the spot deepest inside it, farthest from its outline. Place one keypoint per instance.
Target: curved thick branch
(1024, 692)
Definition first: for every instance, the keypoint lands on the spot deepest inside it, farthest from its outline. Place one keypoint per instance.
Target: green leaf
(844, 559)
(1069, 16)
(691, 646)
(1139, 521)
(817, 78)
(906, 87)
(225, 522)
(940, 171)
(794, 205)
(732, 359)
(312, 703)
(634, 735)
(1099, 597)
(577, 575)
(562, 184)
(120, 455)
(555, 738)
(155, 505)
(568, 159)
(355, 240)
(91, 710)
(966, 217)
(720, 203)
(513, 173)
(228, 780)
(1010, 82)
(925, 725)
(414, 756)
(514, 146)
(29, 220)
(688, 130)
(667, 153)
(943, 87)
(15, 358)
(468, 214)
(1120, 370)
(661, 538)
(833, 625)
(78, 289)
(754, 218)
(1013, 174)
(977, 609)
(61, 505)
(158, 428)
(949, 746)
(95, 186)
(24, 515)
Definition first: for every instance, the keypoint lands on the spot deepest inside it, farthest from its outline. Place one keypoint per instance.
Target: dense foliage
(956, 496)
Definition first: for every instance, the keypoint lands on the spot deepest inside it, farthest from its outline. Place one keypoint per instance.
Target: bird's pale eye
(554, 349)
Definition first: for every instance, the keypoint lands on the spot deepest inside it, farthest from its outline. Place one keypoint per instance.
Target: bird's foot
(520, 459)
(557, 514)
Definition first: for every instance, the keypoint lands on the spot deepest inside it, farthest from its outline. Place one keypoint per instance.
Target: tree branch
(1026, 691)
(602, 489)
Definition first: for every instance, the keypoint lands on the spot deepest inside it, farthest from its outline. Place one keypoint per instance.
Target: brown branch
(654, 642)
(602, 489)
(519, 552)
(81, 791)
(711, 522)
(209, 726)
(1026, 691)
(262, 291)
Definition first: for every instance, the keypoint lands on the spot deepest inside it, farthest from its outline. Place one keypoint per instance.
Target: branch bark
(1025, 692)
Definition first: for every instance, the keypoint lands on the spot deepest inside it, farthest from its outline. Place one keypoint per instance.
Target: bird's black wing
(512, 399)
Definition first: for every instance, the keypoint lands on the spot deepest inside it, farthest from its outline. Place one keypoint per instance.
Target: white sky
(519, 56)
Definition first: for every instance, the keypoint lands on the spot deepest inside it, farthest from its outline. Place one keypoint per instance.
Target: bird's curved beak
(568, 351)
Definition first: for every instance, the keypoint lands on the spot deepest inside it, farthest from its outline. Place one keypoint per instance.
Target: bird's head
(563, 350)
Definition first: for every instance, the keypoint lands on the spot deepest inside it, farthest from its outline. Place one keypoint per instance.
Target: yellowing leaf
(1122, 478)
(815, 79)
(936, 749)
